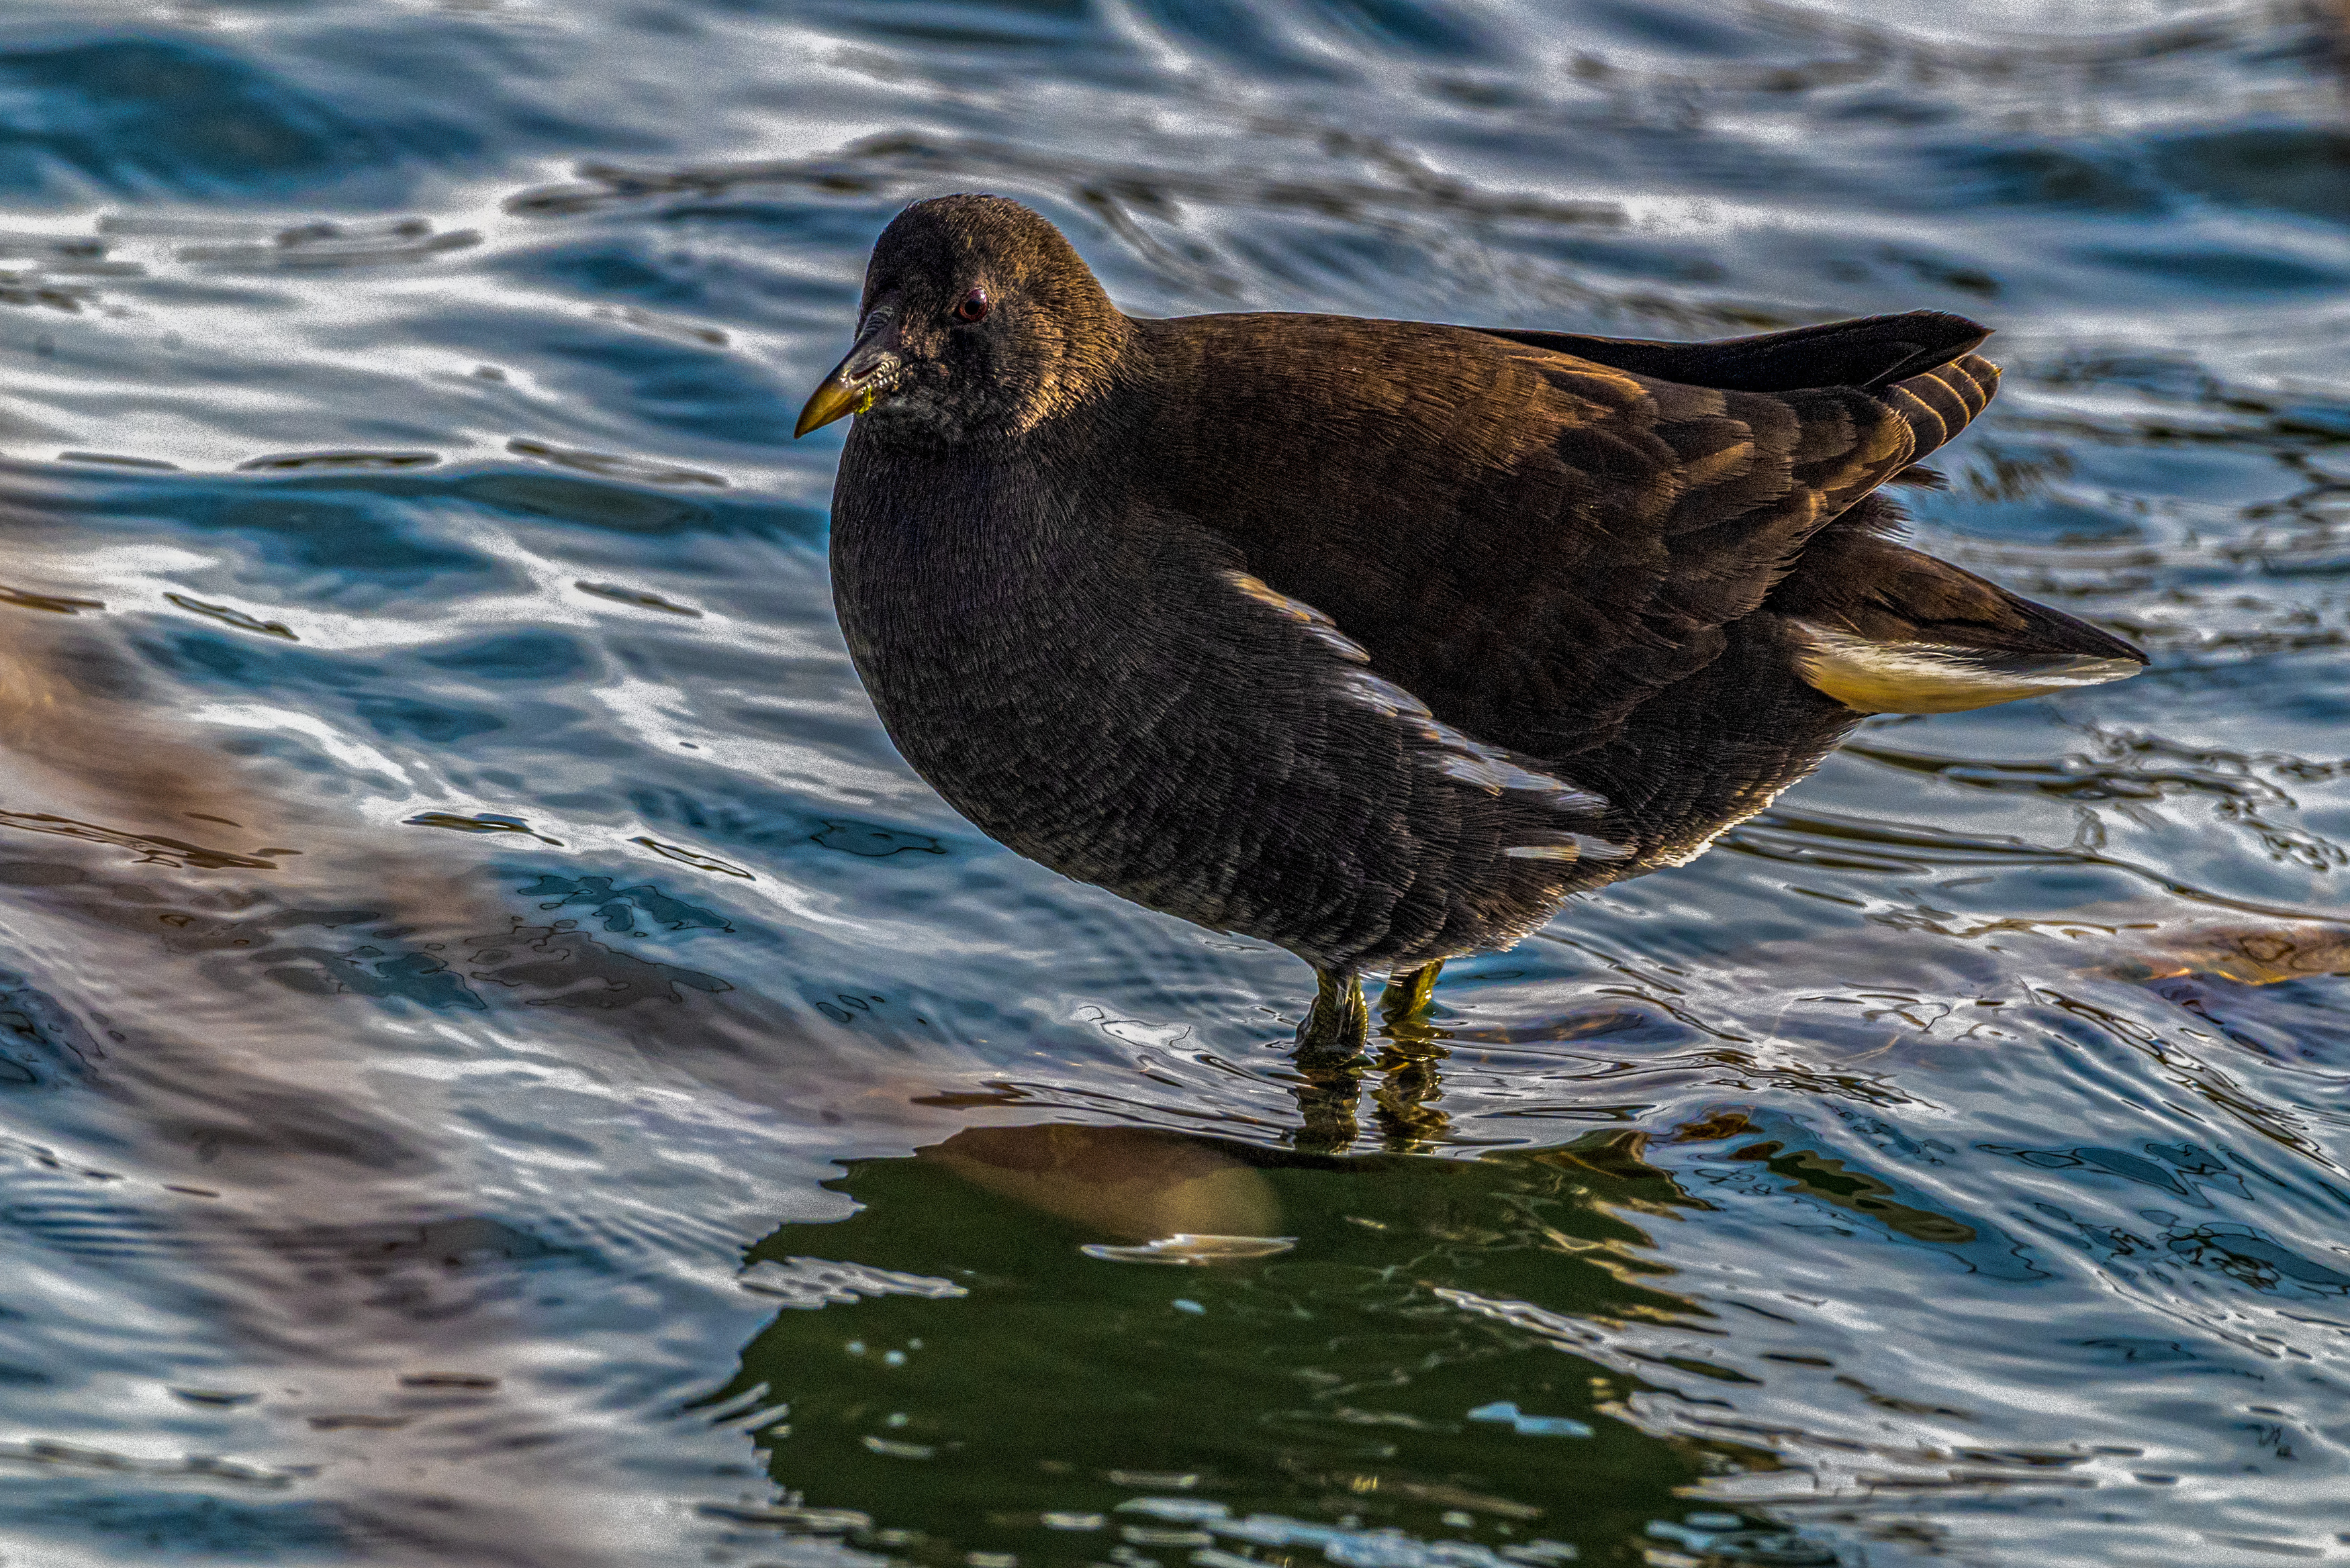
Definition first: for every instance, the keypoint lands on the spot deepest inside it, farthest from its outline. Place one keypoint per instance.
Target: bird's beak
(870, 368)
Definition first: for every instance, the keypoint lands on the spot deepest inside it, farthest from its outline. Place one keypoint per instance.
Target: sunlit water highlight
(500, 1063)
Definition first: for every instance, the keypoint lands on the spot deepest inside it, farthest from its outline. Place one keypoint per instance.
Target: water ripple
(500, 1063)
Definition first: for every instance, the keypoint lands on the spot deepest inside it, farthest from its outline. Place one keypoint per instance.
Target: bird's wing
(1530, 542)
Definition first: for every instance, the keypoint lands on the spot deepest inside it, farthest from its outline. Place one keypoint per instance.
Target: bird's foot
(1408, 1064)
(1339, 1023)
(1408, 993)
(1330, 1061)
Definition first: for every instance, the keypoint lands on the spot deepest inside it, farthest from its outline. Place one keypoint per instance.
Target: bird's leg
(1408, 992)
(1338, 1023)
(1330, 1063)
(1408, 1064)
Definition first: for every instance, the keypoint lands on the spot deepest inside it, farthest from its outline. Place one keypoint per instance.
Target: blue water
(474, 978)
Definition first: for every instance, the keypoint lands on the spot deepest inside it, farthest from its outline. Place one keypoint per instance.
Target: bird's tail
(1884, 628)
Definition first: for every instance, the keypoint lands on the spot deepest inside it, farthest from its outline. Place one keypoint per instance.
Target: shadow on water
(982, 1360)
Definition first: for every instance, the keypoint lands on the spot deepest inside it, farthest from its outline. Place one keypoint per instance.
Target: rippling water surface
(500, 1063)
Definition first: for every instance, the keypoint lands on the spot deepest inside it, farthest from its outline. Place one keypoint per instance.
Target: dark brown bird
(1376, 639)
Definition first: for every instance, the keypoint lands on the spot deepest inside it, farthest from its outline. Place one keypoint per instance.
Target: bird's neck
(939, 517)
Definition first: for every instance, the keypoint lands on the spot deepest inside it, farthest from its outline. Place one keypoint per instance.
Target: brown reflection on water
(1129, 1184)
(83, 756)
(2249, 955)
(227, 935)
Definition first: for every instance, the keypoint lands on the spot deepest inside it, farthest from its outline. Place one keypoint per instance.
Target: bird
(1377, 641)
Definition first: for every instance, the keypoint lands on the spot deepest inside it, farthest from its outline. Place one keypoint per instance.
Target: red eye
(973, 306)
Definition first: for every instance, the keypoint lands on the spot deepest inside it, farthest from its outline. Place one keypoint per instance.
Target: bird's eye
(973, 306)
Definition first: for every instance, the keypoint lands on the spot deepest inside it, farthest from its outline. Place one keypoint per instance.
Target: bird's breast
(993, 638)
(1115, 696)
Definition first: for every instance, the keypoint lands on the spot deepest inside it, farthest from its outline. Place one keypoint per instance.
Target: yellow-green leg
(1330, 1063)
(1408, 991)
(1338, 1022)
(1408, 1064)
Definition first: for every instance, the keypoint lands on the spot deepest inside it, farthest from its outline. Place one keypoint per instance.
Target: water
(499, 1063)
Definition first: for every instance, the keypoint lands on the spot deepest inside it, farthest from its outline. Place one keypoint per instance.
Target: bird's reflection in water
(978, 1365)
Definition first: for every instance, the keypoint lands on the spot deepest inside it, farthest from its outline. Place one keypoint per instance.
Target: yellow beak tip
(831, 401)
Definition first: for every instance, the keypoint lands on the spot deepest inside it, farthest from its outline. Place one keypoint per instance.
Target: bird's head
(978, 322)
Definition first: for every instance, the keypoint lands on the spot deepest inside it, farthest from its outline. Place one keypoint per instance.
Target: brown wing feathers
(1726, 490)
(1757, 479)
(1594, 530)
